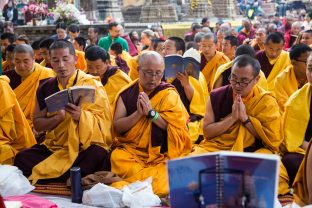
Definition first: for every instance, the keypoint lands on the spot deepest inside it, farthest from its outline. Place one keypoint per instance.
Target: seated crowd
(253, 94)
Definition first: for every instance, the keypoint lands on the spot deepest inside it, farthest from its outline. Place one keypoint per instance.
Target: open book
(189, 62)
(75, 95)
(224, 179)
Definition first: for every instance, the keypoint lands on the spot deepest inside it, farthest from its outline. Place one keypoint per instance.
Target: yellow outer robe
(296, 118)
(26, 91)
(301, 193)
(262, 81)
(4, 65)
(114, 84)
(135, 158)
(263, 112)
(15, 133)
(285, 85)
(71, 137)
(211, 67)
(282, 62)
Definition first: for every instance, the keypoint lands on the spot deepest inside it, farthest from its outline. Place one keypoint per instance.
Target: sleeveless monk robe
(196, 106)
(26, 90)
(15, 133)
(224, 71)
(272, 68)
(84, 143)
(301, 193)
(285, 85)
(113, 81)
(209, 68)
(297, 127)
(144, 149)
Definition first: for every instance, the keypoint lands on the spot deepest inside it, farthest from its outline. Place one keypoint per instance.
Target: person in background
(93, 36)
(8, 64)
(146, 39)
(229, 45)
(113, 37)
(246, 32)
(36, 48)
(135, 39)
(258, 42)
(132, 49)
(157, 45)
(10, 12)
(73, 31)
(79, 43)
(291, 35)
(6, 40)
(307, 24)
(116, 52)
(190, 35)
(307, 37)
(61, 32)
(22, 39)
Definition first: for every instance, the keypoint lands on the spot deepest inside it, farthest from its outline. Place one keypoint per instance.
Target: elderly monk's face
(208, 47)
(24, 63)
(273, 50)
(96, 68)
(309, 70)
(150, 74)
(243, 80)
(63, 63)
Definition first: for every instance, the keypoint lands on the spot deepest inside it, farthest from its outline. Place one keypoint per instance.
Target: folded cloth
(30, 201)
(90, 180)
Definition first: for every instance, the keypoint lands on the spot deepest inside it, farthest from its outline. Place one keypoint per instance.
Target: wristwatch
(246, 122)
(151, 114)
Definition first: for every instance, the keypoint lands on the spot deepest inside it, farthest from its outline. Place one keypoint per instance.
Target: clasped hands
(143, 104)
(239, 110)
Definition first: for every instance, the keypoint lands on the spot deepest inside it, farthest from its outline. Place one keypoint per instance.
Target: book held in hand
(224, 179)
(75, 95)
(189, 62)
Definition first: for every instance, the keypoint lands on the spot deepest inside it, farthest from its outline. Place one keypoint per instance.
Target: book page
(57, 101)
(82, 94)
(173, 65)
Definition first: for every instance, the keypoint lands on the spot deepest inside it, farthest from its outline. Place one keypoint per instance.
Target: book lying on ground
(189, 62)
(224, 179)
(75, 95)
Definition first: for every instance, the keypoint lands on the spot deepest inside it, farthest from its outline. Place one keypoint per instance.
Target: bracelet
(155, 117)
(246, 122)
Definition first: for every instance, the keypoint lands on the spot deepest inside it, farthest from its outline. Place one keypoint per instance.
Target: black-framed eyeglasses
(305, 62)
(240, 83)
(151, 74)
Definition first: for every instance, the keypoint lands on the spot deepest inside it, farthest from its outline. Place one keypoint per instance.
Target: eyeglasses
(301, 61)
(151, 74)
(240, 83)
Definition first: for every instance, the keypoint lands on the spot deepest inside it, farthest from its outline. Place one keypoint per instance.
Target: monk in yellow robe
(15, 133)
(242, 116)
(112, 78)
(273, 59)
(211, 59)
(258, 42)
(193, 92)
(79, 135)
(229, 45)
(224, 71)
(119, 57)
(8, 64)
(294, 76)
(26, 77)
(150, 120)
(297, 129)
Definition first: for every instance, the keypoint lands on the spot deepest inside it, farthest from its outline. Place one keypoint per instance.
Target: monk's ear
(257, 79)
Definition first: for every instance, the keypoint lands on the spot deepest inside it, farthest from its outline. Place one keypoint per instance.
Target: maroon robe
(266, 67)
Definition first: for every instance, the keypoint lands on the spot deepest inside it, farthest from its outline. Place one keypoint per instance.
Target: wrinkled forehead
(152, 64)
(244, 72)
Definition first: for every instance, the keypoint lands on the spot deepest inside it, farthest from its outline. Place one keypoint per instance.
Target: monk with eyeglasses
(150, 121)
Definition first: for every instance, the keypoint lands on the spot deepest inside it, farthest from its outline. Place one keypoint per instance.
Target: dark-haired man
(93, 36)
(79, 135)
(193, 92)
(273, 59)
(113, 37)
(241, 116)
(112, 78)
(294, 76)
(229, 45)
(307, 37)
(8, 64)
(79, 43)
(6, 39)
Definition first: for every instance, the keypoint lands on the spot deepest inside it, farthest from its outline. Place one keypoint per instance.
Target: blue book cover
(224, 179)
(177, 63)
